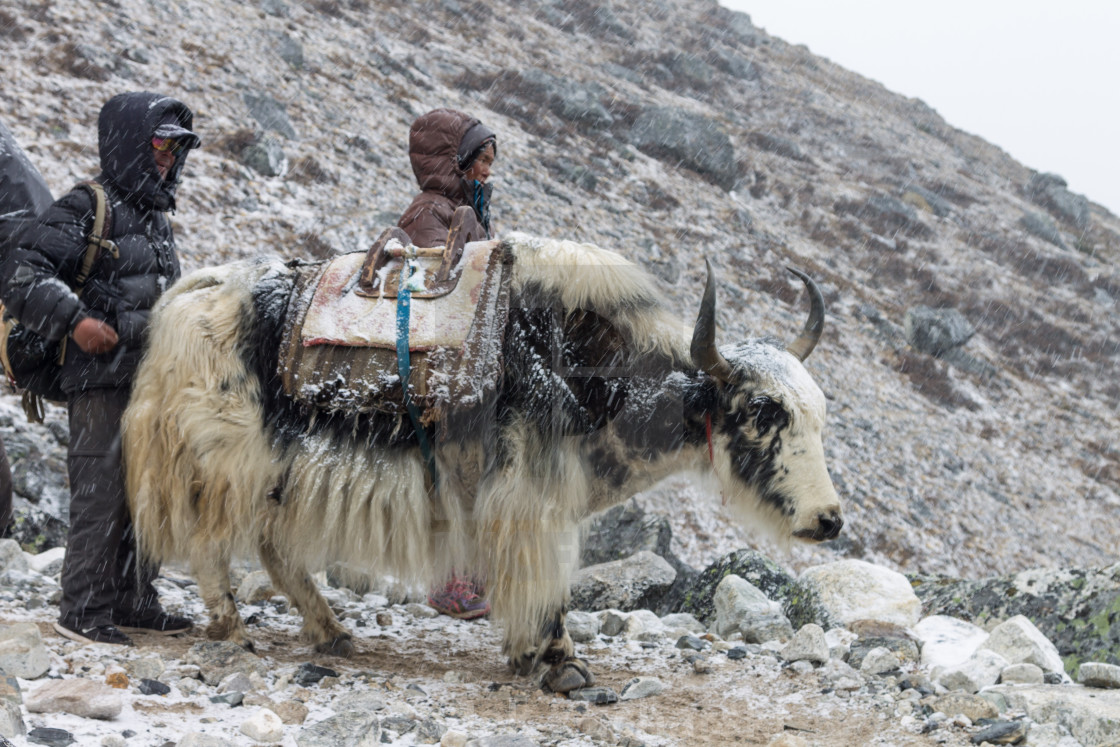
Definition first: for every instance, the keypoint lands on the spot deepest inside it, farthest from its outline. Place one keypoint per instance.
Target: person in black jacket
(23, 196)
(143, 142)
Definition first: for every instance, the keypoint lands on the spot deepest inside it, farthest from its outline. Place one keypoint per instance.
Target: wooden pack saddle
(340, 341)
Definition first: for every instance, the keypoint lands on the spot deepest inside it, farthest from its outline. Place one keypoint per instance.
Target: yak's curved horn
(704, 353)
(804, 344)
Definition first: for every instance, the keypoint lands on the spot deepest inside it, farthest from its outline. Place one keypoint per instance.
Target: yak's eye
(768, 414)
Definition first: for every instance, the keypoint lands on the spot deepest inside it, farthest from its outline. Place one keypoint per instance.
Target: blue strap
(404, 303)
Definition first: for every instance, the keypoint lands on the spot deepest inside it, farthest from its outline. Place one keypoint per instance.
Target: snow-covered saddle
(339, 350)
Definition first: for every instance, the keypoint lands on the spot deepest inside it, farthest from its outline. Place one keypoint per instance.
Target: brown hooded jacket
(437, 143)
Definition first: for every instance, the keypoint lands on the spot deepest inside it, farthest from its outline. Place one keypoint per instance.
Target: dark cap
(176, 132)
(477, 138)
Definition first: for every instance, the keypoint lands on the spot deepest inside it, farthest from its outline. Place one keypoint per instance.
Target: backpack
(33, 364)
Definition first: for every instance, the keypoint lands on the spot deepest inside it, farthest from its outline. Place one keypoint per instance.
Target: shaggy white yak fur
(203, 470)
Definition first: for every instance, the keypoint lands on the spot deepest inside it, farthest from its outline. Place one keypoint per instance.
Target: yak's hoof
(570, 674)
(341, 645)
(219, 632)
(523, 665)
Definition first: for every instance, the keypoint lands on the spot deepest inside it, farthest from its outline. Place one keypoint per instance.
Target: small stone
(1023, 674)
(80, 697)
(879, 661)
(691, 643)
(117, 679)
(596, 695)
(309, 674)
(641, 687)
(153, 687)
(701, 664)
(235, 682)
(972, 706)
(736, 653)
(1001, 732)
(452, 738)
(597, 730)
(263, 726)
(384, 619)
(291, 712)
(232, 699)
(807, 644)
(1098, 674)
(50, 737)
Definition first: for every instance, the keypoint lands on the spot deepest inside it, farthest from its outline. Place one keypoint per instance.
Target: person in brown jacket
(451, 154)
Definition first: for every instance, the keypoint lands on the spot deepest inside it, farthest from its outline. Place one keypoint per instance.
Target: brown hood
(433, 145)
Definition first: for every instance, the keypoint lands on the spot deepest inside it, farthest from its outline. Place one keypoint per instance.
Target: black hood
(125, 130)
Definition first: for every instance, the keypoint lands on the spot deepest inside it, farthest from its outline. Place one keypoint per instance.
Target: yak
(600, 392)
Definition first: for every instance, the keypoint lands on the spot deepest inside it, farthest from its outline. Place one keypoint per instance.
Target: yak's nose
(829, 525)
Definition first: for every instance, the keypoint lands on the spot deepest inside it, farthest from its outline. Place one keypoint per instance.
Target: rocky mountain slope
(669, 132)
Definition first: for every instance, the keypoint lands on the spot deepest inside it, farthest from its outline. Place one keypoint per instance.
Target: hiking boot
(461, 598)
(158, 622)
(96, 634)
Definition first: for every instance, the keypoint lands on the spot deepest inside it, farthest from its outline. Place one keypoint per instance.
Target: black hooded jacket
(120, 291)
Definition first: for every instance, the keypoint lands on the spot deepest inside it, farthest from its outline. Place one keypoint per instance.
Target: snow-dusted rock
(263, 726)
(48, 562)
(1018, 640)
(351, 728)
(947, 641)
(255, 588)
(879, 661)
(22, 653)
(977, 671)
(1022, 674)
(641, 687)
(853, 590)
(11, 720)
(611, 622)
(1098, 674)
(582, 626)
(807, 644)
(643, 625)
(742, 608)
(12, 556)
(78, 696)
(626, 584)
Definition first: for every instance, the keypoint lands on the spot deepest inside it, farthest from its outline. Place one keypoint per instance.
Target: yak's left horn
(804, 344)
(704, 353)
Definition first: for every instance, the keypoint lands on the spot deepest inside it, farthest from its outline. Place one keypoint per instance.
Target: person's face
(164, 150)
(480, 169)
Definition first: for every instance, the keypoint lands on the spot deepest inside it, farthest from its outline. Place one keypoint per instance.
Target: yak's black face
(771, 417)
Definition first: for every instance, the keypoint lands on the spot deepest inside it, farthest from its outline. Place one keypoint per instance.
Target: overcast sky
(1037, 78)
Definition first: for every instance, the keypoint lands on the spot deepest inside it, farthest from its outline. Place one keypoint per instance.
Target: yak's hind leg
(210, 566)
(565, 671)
(320, 627)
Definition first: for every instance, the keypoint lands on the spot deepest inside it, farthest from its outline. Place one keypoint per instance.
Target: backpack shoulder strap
(99, 235)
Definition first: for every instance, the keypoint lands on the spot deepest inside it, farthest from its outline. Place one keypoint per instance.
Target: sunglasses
(163, 144)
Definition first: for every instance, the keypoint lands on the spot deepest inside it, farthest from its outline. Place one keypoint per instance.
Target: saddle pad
(339, 316)
(341, 366)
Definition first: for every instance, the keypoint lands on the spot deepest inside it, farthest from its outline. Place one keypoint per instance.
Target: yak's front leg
(555, 650)
(210, 566)
(320, 627)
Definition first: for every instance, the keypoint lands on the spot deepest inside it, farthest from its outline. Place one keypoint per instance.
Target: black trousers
(101, 581)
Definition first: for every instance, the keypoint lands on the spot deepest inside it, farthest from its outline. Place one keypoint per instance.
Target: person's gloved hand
(94, 336)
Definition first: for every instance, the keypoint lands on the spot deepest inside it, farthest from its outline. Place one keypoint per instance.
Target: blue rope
(404, 303)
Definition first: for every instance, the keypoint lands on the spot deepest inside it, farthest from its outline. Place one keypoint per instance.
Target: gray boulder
(937, 331)
(1050, 191)
(270, 114)
(683, 138)
(1037, 224)
(637, 582)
